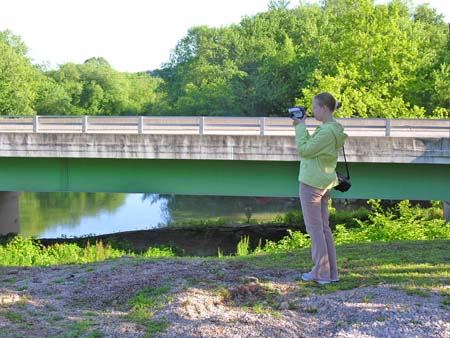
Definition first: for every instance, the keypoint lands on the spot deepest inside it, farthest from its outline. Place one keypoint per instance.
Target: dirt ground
(203, 298)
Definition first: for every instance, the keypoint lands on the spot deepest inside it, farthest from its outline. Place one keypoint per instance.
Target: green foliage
(153, 298)
(402, 222)
(295, 240)
(243, 246)
(377, 59)
(21, 251)
(351, 217)
(158, 252)
(18, 77)
(200, 223)
(94, 88)
(386, 60)
(143, 307)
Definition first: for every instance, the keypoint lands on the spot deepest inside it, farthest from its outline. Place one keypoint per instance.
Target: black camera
(297, 112)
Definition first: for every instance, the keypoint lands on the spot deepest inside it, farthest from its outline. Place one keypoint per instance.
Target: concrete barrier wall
(378, 149)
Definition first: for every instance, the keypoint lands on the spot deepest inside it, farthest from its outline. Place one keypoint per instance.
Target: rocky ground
(204, 298)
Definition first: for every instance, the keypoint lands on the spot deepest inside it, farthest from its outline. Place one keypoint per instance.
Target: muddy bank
(187, 241)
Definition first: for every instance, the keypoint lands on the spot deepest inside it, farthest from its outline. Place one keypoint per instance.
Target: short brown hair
(328, 100)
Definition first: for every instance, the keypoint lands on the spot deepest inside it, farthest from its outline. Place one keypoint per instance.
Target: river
(60, 215)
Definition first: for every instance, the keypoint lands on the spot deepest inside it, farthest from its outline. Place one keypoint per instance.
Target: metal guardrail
(213, 125)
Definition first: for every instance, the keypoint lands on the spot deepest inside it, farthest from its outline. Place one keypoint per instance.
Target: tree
(18, 77)
(377, 59)
(94, 88)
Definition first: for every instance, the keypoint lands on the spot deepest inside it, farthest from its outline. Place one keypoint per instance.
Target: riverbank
(386, 289)
(186, 241)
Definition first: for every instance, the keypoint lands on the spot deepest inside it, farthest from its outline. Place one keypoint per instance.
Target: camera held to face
(297, 112)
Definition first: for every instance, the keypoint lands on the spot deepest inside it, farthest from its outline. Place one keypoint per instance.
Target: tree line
(381, 60)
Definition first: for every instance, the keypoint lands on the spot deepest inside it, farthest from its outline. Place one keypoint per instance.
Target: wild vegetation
(381, 60)
(402, 222)
(96, 291)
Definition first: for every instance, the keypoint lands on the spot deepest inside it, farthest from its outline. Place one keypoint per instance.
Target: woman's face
(318, 110)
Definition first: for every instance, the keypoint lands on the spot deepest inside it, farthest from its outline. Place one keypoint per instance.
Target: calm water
(54, 215)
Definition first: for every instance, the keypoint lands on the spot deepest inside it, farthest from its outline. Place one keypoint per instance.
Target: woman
(317, 177)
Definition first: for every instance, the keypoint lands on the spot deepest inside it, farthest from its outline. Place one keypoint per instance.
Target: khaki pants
(314, 204)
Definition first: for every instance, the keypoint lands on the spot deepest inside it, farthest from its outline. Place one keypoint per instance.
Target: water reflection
(183, 208)
(54, 215)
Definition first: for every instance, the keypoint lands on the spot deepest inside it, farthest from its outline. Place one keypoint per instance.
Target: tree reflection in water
(180, 208)
(42, 211)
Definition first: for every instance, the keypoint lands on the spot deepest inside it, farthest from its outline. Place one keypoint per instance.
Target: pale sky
(132, 35)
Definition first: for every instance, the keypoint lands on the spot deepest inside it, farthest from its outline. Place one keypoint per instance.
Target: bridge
(247, 156)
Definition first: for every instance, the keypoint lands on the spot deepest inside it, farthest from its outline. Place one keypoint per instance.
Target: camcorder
(297, 112)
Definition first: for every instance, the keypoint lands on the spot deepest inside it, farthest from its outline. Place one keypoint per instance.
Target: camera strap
(345, 159)
(346, 165)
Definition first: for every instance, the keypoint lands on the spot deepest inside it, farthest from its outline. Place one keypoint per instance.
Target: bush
(401, 222)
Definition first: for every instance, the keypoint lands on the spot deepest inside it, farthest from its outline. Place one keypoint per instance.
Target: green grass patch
(415, 265)
(14, 317)
(144, 305)
(21, 251)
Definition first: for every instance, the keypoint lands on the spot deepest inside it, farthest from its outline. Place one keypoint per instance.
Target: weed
(446, 301)
(14, 316)
(144, 304)
(311, 310)
(56, 318)
(418, 292)
(219, 252)
(155, 326)
(261, 309)
(95, 334)
(77, 329)
(382, 318)
(243, 246)
(292, 305)
(367, 298)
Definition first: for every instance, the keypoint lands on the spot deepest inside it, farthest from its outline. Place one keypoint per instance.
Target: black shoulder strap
(346, 165)
(343, 150)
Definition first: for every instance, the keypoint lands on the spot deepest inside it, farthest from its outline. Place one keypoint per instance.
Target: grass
(416, 266)
(405, 244)
(21, 251)
(14, 316)
(144, 305)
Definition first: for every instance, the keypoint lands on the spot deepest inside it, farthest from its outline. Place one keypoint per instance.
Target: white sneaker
(307, 277)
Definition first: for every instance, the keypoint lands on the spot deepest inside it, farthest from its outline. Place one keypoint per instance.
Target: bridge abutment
(9, 212)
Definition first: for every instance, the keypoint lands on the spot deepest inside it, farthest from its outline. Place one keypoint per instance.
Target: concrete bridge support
(446, 210)
(9, 212)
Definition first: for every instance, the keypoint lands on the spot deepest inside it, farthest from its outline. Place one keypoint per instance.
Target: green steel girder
(214, 177)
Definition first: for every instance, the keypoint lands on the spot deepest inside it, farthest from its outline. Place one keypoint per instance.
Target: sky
(132, 35)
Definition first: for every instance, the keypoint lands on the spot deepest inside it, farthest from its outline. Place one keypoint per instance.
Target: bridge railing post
(201, 128)
(262, 123)
(388, 127)
(84, 124)
(35, 124)
(141, 125)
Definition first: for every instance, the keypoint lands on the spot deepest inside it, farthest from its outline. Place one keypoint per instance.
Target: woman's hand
(298, 121)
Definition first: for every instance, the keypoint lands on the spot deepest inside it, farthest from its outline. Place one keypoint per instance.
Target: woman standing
(317, 177)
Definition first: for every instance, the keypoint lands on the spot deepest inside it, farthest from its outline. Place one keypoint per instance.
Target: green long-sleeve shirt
(319, 154)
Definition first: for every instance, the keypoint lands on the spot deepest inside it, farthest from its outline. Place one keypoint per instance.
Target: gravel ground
(205, 298)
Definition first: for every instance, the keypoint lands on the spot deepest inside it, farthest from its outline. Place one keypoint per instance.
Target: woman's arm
(311, 146)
